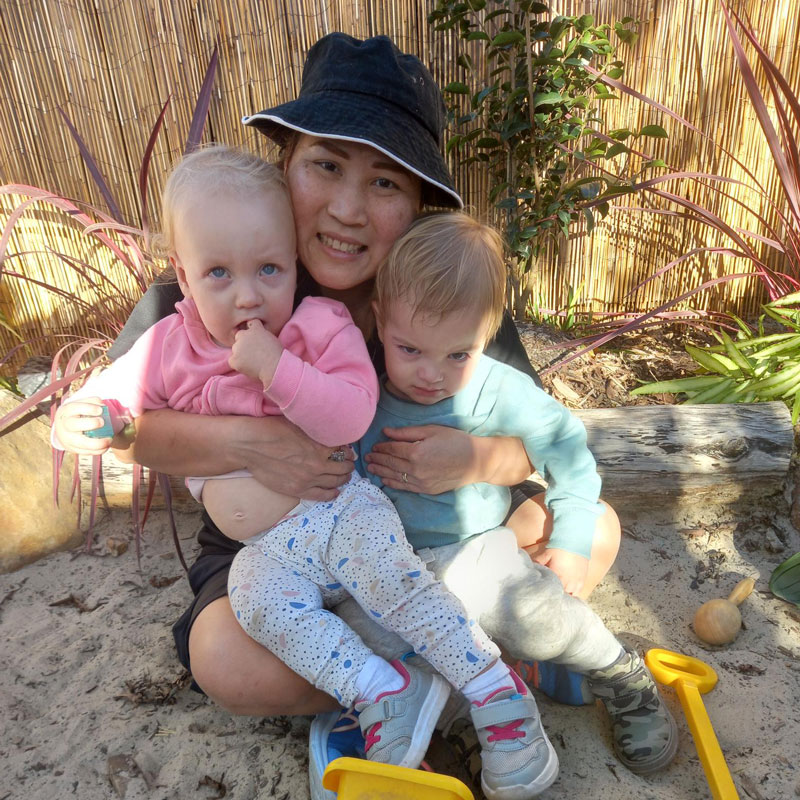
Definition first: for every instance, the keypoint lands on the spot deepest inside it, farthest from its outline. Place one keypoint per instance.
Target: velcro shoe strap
(503, 712)
(382, 711)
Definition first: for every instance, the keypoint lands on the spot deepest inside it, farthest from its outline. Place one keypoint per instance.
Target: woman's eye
(328, 166)
(385, 183)
(459, 356)
(218, 272)
(268, 269)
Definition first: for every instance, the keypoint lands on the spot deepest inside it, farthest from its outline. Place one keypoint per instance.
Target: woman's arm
(278, 454)
(436, 459)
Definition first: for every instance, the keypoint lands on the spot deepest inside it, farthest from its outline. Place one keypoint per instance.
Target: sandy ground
(94, 705)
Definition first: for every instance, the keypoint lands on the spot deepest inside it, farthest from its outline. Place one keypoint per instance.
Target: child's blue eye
(408, 350)
(459, 356)
(218, 272)
(268, 269)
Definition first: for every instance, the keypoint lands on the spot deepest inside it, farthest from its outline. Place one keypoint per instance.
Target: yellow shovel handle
(711, 757)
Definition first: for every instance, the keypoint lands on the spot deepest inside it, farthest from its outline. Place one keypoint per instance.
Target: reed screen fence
(110, 66)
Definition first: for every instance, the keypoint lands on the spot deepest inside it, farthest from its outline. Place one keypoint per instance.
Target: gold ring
(404, 477)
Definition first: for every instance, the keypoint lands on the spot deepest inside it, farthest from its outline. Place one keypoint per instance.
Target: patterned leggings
(280, 586)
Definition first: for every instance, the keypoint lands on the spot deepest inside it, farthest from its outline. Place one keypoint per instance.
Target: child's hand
(73, 419)
(256, 353)
(570, 568)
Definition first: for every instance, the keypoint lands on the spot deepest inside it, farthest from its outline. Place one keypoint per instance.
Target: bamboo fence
(111, 66)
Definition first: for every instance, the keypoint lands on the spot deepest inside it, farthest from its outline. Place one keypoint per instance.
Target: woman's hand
(432, 459)
(570, 568)
(73, 420)
(288, 461)
(428, 459)
(278, 453)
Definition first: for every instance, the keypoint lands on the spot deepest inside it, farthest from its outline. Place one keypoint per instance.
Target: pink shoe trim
(371, 737)
(510, 730)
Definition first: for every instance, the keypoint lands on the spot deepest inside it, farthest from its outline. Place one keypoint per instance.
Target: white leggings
(280, 585)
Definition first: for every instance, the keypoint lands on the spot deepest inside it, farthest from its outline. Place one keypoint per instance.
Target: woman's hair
(445, 262)
(216, 168)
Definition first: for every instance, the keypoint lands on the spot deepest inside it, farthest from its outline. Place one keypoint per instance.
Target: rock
(30, 523)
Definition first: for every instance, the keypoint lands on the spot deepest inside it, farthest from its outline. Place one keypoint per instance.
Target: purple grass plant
(109, 311)
(782, 237)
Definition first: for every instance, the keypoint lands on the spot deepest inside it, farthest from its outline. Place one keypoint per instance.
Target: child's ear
(180, 274)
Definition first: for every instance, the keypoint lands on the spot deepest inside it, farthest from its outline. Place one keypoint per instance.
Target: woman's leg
(243, 677)
(532, 524)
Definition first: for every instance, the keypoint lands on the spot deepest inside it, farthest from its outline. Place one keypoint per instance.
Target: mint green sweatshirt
(498, 401)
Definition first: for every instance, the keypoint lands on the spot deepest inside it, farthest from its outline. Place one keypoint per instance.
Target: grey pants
(520, 604)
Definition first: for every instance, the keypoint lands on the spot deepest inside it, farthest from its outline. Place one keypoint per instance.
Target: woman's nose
(348, 205)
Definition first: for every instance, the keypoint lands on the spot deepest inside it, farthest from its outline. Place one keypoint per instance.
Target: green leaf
(677, 385)
(656, 131)
(735, 355)
(712, 362)
(713, 394)
(796, 408)
(546, 99)
(475, 35)
(616, 149)
(785, 580)
(456, 87)
(507, 38)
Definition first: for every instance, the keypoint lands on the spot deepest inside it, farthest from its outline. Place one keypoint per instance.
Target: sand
(93, 703)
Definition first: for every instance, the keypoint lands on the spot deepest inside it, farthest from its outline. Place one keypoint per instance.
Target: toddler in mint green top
(439, 297)
(498, 400)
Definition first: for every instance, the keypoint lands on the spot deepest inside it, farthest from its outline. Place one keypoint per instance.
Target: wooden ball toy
(718, 621)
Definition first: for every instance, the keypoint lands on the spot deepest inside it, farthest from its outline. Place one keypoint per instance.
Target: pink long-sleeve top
(324, 383)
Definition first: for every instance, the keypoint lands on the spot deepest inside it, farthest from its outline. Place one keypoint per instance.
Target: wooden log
(684, 461)
(673, 461)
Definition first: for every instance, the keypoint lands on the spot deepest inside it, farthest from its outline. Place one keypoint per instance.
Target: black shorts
(208, 576)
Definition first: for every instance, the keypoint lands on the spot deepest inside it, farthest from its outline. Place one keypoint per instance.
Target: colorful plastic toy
(358, 779)
(106, 432)
(691, 677)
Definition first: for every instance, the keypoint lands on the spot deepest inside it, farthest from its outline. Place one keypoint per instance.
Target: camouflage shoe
(644, 730)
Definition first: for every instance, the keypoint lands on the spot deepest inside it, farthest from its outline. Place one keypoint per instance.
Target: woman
(361, 158)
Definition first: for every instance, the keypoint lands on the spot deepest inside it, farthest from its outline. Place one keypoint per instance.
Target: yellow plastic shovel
(691, 678)
(358, 779)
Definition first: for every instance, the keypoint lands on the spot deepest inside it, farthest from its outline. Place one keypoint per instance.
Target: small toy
(691, 677)
(106, 432)
(359, 779)
(718, 621)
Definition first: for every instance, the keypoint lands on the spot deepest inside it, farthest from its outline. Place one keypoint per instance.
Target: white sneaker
(517, 758)
(398, 725)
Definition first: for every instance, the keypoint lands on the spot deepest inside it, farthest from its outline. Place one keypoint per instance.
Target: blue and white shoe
(333, 735)
(556, 681)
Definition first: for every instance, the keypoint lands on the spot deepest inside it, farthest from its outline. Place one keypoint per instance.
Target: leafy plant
(109, 305)
(774, 227)
(529, 111)
(748, 369)
(785, 580)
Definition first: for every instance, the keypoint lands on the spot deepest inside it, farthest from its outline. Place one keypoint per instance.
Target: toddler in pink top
(236, 346)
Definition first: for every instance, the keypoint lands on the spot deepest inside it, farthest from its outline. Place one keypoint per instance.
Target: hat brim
(376, 123)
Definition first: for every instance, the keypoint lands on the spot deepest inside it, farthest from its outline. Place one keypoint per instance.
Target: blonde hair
(215, 167)
(445, 262)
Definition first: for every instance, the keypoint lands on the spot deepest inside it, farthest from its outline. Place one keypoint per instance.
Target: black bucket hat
(369, 92)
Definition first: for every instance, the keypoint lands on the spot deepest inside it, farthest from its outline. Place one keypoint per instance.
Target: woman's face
(350, 204)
